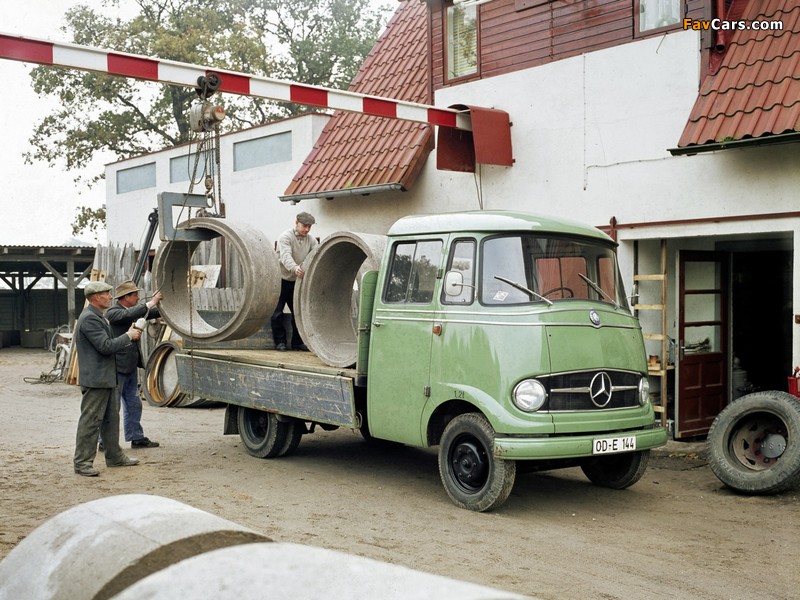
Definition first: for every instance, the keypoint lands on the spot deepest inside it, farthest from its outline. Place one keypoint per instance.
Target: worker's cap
(306, 218)
(96, 287)
(125, 288)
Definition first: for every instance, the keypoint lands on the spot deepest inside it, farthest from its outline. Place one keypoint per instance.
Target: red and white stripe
(140, 67)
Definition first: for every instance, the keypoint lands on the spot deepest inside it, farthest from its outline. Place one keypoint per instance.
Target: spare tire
(754, 443)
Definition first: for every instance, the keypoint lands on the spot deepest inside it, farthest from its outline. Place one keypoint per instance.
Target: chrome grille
(574, 391)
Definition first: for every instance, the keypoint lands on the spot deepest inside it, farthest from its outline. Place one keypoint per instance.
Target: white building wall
(250, 195)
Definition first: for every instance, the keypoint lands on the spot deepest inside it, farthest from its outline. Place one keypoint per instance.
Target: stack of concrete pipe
(140, 546)
(325, 300)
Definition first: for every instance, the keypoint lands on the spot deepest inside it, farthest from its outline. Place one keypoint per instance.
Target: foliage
(88, 219)
(315, 42)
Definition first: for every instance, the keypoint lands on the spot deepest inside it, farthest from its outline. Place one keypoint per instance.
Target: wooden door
(702, 341)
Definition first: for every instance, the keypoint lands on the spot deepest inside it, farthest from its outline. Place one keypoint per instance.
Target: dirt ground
(678, 533)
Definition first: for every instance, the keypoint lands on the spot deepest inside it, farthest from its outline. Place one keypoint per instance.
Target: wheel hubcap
(760, 441)
(470, 465)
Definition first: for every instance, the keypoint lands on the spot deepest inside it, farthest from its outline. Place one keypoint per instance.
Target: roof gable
(360, 154)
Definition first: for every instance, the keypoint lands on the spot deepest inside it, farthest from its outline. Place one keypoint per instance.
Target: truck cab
(503, 337)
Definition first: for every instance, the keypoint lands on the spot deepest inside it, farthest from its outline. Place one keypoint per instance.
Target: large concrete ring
(101, 548)
(324, 300)
(262, 281)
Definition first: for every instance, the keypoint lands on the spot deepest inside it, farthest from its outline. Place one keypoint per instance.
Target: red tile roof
(357, 153)
(755, 94)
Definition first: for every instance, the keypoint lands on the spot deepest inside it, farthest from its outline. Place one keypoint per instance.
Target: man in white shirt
(293, 247)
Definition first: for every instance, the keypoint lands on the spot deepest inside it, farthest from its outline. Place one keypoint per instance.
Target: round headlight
(644, 391)
(529, 395)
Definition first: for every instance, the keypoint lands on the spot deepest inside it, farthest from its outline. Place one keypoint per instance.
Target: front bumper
(543, 448)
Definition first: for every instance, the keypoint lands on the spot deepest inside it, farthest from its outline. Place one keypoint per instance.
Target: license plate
(613, 445)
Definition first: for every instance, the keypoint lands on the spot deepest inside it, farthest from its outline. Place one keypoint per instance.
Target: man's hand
(298, 270)
(155, 299)
(134, 333)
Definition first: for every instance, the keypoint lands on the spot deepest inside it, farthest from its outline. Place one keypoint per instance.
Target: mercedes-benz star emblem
(594, 317)
(600, 389)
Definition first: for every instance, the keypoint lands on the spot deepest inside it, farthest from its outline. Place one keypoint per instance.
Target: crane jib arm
(85, 58)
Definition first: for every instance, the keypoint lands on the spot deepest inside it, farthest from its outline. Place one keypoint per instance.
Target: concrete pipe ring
(261, 286)
(161, 387)
(326, 299)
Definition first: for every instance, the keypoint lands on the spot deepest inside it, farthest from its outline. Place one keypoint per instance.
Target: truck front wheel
(472, 476)
(616, 471)
(262, 434)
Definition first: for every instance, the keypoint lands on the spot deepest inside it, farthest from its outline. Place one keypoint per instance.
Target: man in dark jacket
(97, 374)
(121, 316)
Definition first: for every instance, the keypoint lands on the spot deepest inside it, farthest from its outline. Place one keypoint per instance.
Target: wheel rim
(469, 464)
(256, 425)
(759, 441)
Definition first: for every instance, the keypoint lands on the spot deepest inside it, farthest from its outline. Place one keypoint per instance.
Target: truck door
(702, 336)
(398, 382)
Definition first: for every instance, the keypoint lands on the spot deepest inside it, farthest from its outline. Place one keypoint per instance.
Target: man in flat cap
(97, 373)
(123, 313)
(293, 247)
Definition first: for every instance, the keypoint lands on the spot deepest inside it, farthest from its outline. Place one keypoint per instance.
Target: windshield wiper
(598, 289)
(522, 288)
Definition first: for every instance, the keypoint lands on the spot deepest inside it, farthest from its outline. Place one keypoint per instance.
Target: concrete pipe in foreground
(137, 547)
(325, 300)
(99, 549)
(297, 572)
(261, 287)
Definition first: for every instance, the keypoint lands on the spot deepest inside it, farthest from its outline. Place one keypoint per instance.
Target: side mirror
(453, 283)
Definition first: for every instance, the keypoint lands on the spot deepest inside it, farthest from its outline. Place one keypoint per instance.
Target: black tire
(262, 434)
(754, 443)
(294, 433)
(616, 471)
(472, 476)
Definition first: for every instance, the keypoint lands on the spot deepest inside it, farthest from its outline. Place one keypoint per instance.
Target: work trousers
(277, 322)
(128, 386)
(99, 415)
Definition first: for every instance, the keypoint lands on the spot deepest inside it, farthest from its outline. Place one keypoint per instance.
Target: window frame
(637, 33)
(413, 269)
(448, 4)
(472, 285)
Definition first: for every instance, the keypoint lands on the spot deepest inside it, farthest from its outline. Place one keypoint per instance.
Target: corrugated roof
(357, 153)
(755, 94)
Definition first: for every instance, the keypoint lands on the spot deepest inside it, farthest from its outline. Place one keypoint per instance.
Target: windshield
(520, 269)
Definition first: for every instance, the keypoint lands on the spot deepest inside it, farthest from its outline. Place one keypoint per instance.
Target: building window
(136, 178)
(262, 151)
(462, 40)
(657, 15)
(181, 168)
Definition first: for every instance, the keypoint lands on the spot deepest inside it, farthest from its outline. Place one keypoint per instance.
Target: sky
(38, 203)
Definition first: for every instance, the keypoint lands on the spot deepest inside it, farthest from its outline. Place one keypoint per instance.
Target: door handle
(376, 323)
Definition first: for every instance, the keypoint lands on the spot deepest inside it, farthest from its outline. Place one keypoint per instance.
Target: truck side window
(462, 259)
(412, 272)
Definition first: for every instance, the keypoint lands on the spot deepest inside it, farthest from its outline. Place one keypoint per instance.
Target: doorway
(761, 316)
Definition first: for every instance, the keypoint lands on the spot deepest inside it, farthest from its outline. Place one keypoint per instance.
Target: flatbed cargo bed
(279, 382)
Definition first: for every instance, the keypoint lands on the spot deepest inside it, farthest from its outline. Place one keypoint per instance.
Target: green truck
(498, 336)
